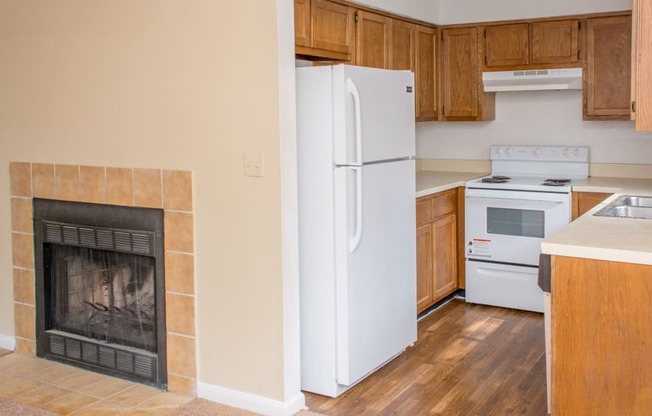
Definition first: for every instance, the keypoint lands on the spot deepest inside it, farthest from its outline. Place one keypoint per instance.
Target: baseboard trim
(7, 342)
(251, 402)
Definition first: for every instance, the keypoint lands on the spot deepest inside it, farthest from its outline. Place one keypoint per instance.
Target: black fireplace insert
(100, 288)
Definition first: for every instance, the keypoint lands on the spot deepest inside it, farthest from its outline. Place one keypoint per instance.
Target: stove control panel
(540, 153)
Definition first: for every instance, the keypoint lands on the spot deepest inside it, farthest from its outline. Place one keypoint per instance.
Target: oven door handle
(492, 201)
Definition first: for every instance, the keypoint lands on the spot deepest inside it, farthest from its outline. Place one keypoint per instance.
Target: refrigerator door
(375, 248)
(373, 112)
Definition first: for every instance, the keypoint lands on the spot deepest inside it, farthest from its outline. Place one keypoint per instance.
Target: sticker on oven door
(480, 247)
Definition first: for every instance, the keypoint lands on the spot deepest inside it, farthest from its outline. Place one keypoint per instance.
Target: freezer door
(375, 266)
(373, 114)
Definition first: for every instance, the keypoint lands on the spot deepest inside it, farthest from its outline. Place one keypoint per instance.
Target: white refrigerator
(357, 225)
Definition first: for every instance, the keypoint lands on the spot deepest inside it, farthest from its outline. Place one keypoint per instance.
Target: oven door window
(516, 222)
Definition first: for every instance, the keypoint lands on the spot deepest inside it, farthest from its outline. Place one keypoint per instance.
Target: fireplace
(100, 288)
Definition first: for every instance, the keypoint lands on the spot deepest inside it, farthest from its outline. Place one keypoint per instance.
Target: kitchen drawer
(424, 210)
(444, 203)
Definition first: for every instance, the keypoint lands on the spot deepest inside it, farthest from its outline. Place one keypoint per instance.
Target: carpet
(197, 407)
(9, 408)
(207, 408)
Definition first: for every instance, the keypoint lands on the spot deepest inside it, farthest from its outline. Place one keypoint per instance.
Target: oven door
(508, 226)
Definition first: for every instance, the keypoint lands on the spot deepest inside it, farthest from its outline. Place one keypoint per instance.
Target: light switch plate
(254, 164)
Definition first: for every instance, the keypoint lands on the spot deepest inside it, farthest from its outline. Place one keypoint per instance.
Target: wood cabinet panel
(459, 73)
(332, 27)
(461, 95)
(642, 65)
(402, 46)
(601, 337)
(372, 40)
(425, 76)
(506, 45)
(302, 23)
(585, 201)
(445, 257)
(437, 247)
(607, 72)
(424, 267)
(555, 42)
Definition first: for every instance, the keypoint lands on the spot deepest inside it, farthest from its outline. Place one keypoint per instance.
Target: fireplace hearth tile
(135, 395)
(180, 273)
(69, 403)
(147, 188)
(24, 286)
(178, 232)
(106, 388)
(43, 184)
(182, 385)
(181, 355)
(20, 179)
(92, 184)
(67, 180)
(21, 215)
(26, 347)
(183, 320)
(22, 250)
(119, 186)
(177, 190)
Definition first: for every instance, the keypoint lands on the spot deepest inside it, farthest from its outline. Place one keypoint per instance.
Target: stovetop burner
(496, 179)
(556, 182)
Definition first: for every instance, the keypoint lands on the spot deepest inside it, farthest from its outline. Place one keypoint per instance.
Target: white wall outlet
(254, 164)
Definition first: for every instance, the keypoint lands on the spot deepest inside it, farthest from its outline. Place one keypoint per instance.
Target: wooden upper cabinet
(302, 23)
(555, 42)
(402, 47)
(329, 33)
(506, 45)
(607, 68)
(425, 73)
(642, 64)
(372, 34)
(461, 94)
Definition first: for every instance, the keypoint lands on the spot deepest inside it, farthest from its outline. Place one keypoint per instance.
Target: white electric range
(526, 198)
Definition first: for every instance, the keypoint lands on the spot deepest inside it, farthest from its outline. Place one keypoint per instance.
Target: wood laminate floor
(469, 360)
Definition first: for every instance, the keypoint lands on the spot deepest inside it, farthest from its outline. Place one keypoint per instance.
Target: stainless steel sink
(628, 206)
(636, 201)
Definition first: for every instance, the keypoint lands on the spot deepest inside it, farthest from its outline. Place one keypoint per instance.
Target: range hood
(533, 80)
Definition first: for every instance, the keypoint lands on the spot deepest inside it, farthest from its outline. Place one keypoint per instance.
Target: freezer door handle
(353, 90)
(354, 242)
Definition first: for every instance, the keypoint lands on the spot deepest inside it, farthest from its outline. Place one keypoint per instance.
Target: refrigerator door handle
(353, 90)
(354, 242)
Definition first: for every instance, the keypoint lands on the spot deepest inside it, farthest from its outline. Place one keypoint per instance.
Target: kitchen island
(601, 297)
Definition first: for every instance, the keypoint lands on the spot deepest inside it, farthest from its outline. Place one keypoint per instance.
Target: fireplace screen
(100, 288)
(104, 295)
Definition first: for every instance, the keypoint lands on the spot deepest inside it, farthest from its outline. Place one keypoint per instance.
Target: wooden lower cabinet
(437, 230)
(601, 337)
(584, 201)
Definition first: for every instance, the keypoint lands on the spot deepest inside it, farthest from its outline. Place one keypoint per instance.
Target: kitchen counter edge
(431, 182)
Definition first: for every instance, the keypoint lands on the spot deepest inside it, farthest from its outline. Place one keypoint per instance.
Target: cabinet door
(424, 267)
(425, 76)
(642, 61)
(585, 201)
(445, 256)
(608, 68)
(506, 45)
(555, 42)
(372, 40)
(401, 51)
(332, 26)
(302, 23)
(460, 95)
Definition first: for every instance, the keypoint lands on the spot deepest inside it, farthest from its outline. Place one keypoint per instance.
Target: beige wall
(169, 84)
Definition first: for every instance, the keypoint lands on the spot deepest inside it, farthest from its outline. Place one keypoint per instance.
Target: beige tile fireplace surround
(170, 190)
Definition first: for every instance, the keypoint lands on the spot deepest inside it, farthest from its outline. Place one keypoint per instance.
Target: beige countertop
(604, 238)
(431, 182)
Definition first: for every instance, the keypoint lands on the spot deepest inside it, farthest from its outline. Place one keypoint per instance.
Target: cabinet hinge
(579, 25)
(633, 106)
(355, 17)
(442, 36)
(579, 55)
(485, 33)
(486, 61)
